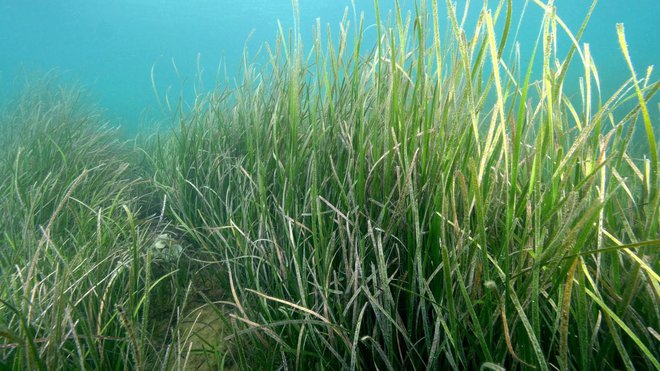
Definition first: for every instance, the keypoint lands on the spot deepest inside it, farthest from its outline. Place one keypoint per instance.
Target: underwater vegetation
(420, 203)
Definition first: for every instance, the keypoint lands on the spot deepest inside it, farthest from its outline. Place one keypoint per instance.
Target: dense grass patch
(76, 259)
(421, 203)
(418, 203)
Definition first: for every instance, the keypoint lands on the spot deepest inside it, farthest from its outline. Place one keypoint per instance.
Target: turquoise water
(111, 46)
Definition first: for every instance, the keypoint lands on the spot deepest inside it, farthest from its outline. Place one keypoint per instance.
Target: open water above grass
(111, 47)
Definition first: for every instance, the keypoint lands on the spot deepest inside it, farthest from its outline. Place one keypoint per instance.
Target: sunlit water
(112, 46)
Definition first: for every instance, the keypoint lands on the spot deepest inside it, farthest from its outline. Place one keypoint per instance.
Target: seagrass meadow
(428, 200)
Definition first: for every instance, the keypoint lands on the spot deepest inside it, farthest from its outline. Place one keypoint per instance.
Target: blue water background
(111, 46)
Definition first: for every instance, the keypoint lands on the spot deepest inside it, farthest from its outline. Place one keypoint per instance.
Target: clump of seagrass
(425, 202)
